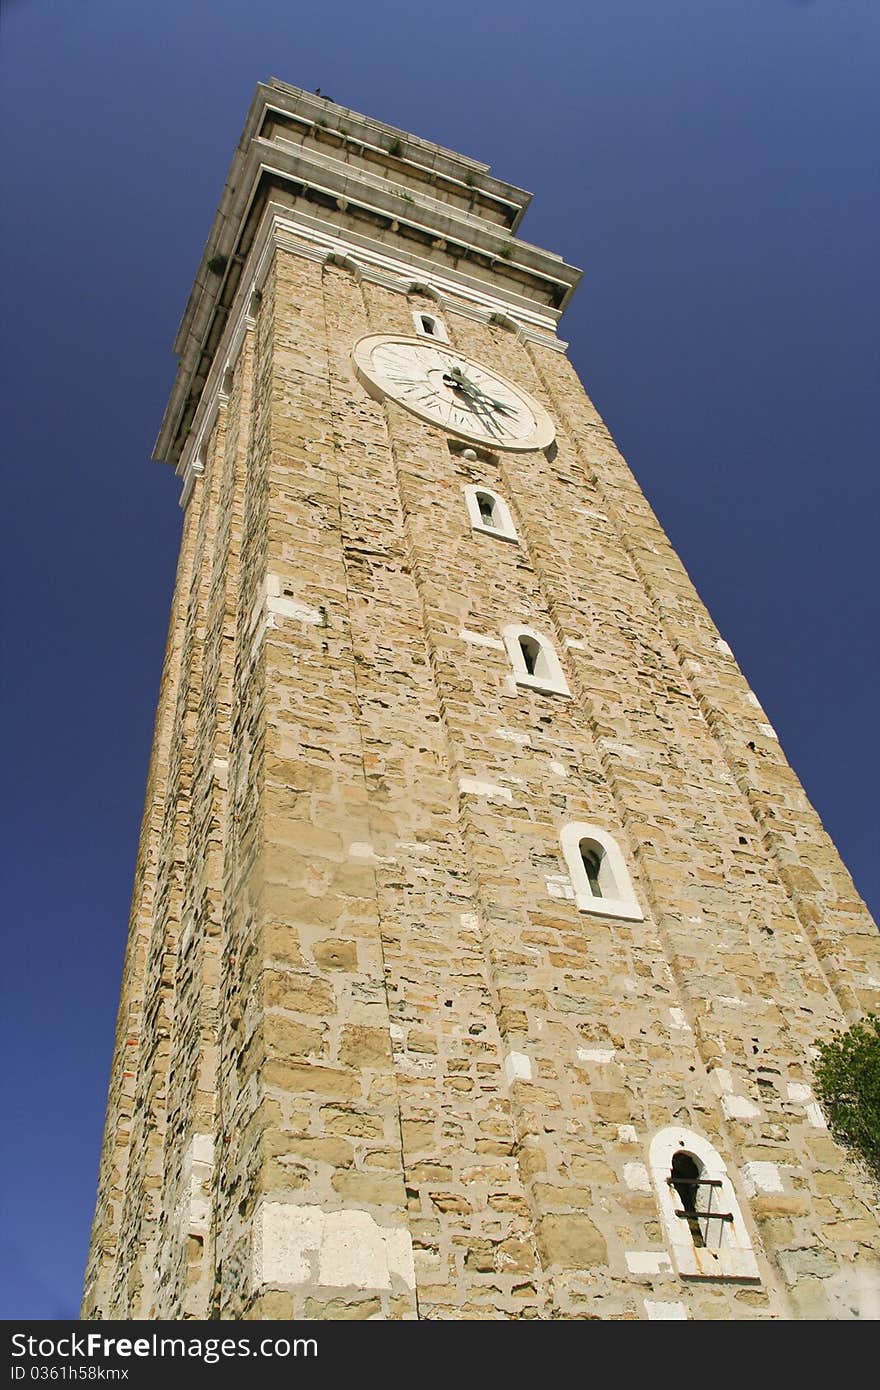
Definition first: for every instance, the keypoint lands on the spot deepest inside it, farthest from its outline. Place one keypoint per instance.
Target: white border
(439, 335)
(624, 902)
(505, 530)
(734, 1258)
(552, 684)
(379, 388)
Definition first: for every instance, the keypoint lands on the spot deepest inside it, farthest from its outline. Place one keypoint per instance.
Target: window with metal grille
(697, 1194)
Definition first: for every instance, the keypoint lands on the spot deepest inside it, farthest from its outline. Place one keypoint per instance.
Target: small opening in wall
(531, 654)
(685, 1178)
(486, 505)
(428, 325)
(592, 862)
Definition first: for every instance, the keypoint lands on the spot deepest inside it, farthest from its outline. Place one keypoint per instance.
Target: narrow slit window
(531, 653)
(592, 863)
(429, 326)
(486, 505)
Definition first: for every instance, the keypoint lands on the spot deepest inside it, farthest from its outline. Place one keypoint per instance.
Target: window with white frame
(489, 513)
(430, 326)
(534, 660)
(701, 1216)
(598, 872)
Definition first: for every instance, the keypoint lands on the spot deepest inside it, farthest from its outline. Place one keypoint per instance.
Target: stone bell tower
(481, 932)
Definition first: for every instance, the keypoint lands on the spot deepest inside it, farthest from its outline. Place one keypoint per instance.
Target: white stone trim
(601, 1055)
(665, 1312)
(472, 786)
(729, 1254)
(504, 529)
(551, 677)
(194, 1217)
(618, 895)
(480, 639)
(439, 335)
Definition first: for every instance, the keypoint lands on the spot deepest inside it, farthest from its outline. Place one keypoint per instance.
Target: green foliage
(217, 265)
(395, 147)
(848, 1086)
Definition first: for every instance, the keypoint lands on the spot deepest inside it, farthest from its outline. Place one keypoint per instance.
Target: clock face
(451, 391)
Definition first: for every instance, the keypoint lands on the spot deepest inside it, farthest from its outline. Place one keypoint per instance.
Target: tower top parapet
(343, 184)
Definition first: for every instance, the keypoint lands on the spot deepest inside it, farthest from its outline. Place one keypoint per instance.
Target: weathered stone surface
(571, 1242)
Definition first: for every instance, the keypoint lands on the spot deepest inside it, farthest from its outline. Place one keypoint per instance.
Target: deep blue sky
(710, 164)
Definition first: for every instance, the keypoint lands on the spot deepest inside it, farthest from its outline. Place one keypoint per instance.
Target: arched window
(489, 513)
(430, 326)
(534, 661)
(701, 1215)
(533, 656)
(598, 872)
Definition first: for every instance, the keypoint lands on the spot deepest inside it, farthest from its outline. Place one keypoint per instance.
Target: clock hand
(499, 405)
(485, 416)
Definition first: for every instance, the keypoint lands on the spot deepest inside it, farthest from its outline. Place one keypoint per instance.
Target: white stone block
(472, 786)
(722, 1081)
(637, 1177)
(678, 1020)
(627, 1134)
(297, 1245)
(665, 1312)
(799, 1093)
(559, 886)
(647, 1262)
(815, 1116)
(286, 1242)
(761, 1177)
(517, 1067)
(292, 608)
(194, 1209)
(512, 736)
(558, 769)
(480, 639)
(739, 1108)
(602, 1055)
(352, 1252)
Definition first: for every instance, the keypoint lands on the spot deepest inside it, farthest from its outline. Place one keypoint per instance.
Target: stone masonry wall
(386, 1067)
